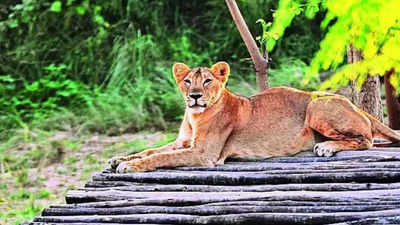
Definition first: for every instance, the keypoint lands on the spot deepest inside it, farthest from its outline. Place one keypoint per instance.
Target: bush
(22, 101)
(290, 73)
(106, 64)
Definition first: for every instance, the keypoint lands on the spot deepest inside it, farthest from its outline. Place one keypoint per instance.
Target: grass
(55, 155)
(75, 97)
(39, 171)
(51, 155)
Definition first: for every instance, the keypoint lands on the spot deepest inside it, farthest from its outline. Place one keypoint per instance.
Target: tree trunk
(368, 98)
(260, 62)
(392, 103)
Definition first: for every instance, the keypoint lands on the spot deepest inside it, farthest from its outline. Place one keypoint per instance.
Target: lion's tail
(381, 130)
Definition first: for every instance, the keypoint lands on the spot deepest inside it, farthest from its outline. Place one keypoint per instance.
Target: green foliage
(287, 10)
(371, 26)
(105, 66)
(290, 73)
(22, 100)
(136, 93)
(21, 194)
(183, 51)
(31, 158)
(30, 209)
(374, 29)
(71, 160)
(56, 6)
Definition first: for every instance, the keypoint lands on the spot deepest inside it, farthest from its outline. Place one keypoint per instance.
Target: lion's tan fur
(280, 121)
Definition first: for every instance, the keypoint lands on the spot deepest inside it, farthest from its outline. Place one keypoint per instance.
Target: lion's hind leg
(337, 119)
(328, 148)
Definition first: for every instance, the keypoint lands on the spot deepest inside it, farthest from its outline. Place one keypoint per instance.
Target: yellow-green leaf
(56, 6)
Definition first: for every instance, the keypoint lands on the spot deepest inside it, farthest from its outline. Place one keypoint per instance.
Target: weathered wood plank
(108, 185)
(354, 187)
(289, 203)
(206, 210)
(100, 184)
(51, 223)
(222, 202)
(180, 197)
(293, 167)
(249, 178)
(237, 219)
(372, 155)
(373, 221)
(287, 171)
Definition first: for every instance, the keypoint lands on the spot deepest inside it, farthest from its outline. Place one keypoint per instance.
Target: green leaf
(80, 10)
(12, 23)
(53, 84)
(6, 78)
(18, 7)
(64, 93)
(99, 19)
(69, 2)
(56, 6)
(33, 87)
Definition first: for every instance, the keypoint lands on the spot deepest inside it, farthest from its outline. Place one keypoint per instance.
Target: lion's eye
(187, 82)
(207, 81)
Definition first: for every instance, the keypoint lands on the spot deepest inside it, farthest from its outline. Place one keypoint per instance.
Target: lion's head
(201, 87)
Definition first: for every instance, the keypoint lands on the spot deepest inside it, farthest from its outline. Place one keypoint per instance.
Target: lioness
(280, 121)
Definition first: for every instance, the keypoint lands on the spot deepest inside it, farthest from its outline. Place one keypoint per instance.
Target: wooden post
(392, 103)
(260, 63)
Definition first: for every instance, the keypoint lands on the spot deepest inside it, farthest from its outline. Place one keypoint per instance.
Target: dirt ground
(67, 163)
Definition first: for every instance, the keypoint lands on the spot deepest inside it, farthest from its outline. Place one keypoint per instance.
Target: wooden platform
(355, 187)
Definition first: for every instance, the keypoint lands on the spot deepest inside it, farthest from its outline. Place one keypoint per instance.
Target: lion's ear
(180, 70)
(221, 71)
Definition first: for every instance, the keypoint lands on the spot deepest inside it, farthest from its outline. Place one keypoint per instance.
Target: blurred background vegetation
(105, 65)
(77, 76)
(84, 80)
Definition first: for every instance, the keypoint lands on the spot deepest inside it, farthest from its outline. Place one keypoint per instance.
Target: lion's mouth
(196, 105)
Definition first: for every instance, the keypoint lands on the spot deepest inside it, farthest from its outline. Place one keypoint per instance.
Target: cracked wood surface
(353, 187)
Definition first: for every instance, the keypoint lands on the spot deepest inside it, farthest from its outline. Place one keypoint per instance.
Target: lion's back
(276, 116)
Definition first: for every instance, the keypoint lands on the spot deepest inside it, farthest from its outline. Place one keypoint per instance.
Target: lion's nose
(195, 96)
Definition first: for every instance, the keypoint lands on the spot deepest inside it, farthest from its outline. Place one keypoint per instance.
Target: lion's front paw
(125, 167)
(322, 149)
(132, 166)
(115, 161)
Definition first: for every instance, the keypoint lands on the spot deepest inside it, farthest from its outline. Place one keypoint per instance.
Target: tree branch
(260, 63)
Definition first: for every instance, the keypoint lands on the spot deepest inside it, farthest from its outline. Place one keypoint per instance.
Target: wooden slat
(249, 178)
(206, 210)
(52, 223)
(374, 154)
(165, 198)
(222, 202)
(239, 219)
(390, 220)
(291, 167)
(354, 187)
(128, 186)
